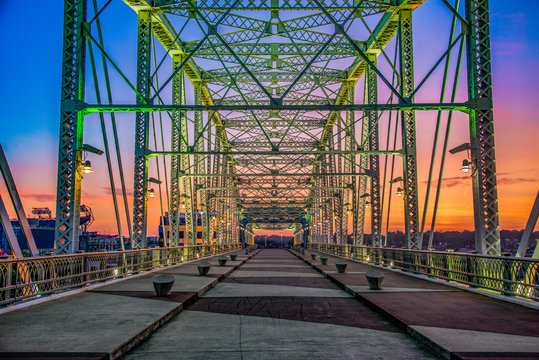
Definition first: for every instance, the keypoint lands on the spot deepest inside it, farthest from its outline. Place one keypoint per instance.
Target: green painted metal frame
(275, 112)
(485, 190)
(68, 188)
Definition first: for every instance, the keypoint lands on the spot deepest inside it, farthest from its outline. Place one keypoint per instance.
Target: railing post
(507, 275)
(6, 281)
(377, 255)
(423, 263)
(430, 264)
(470, 269)
(445, 266)
(404, 260)
(416, 262)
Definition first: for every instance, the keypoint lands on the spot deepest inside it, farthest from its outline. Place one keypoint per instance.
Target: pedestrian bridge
(267, 304)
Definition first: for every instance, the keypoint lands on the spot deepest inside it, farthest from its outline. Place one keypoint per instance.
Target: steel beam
(8, 231)
(528, 230)
(411, 209)
(372, 120)
(178, 97)
(273, 106)
(66, 234)
(142, 119)
(17, 203)
(363, 165)
(485, 190)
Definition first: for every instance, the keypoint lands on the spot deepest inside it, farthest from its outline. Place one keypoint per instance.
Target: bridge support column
(200, 168)
(178, 98)
(66, 235)
(364, 164)
(142, 119)
(187, 186)
(372, 116)
(485, 191)
(349, 138)
(411, 212)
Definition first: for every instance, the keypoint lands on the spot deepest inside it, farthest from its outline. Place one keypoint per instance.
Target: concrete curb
(124, 348)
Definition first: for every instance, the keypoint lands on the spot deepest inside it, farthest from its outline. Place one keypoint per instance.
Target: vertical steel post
(330, 207)
(178, 98)
(141, 130)
(372, 116)
(200, 165)
(348, 164)
(485, 191)
(66, 235)
(221, 227)
(190, 217)
(364, 165)
(411, 212)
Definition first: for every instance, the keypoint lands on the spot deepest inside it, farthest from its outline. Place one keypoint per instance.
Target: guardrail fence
(506, 275)
(27, 278)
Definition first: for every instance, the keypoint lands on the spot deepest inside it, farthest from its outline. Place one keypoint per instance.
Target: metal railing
(27, 278)
(506, 275)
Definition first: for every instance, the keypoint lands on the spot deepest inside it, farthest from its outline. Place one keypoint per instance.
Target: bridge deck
(456, 323)
(272, 306)
(277, 307)
(103, 322)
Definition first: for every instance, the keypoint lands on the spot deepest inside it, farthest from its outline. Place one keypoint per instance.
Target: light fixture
(400, 191)
(367, 204)
(151, 193)
(465, 166)
(87, 167)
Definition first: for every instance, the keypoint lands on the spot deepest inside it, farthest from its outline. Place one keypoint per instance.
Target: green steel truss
(275, 109)
(142, 120)
(71, 130)
(487, 230)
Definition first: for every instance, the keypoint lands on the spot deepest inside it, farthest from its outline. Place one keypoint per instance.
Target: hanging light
(367, 204)
(151, 193)
(400, 191)
(465, 166)
(87, 167)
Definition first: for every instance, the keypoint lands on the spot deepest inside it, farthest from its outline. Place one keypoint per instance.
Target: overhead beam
(96, 108)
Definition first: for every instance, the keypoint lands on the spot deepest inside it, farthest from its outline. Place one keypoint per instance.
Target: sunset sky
(29, 96)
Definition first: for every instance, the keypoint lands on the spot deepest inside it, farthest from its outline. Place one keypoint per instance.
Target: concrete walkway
(277, 307)
(107, 321)
(457, 324)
